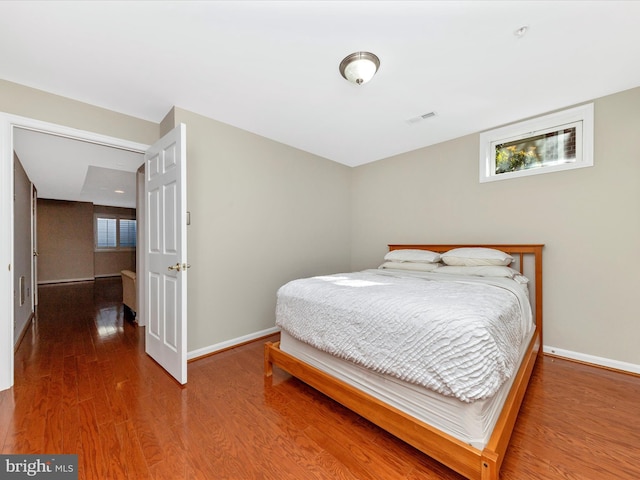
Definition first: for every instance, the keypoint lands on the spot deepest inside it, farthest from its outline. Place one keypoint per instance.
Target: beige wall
(65, 241)
(588, 219)
(262, 213)
(112, 263)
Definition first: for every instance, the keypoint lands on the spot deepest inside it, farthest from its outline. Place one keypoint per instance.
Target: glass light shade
(359, 67)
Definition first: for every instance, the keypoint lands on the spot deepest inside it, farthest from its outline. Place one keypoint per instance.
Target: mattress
(469, 422)
(458, 335)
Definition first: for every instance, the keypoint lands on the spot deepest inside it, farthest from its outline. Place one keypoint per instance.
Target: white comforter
(459, 336)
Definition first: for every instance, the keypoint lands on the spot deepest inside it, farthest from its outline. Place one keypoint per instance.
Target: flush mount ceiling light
(359, 67)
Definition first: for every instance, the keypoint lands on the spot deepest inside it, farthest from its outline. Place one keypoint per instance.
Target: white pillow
(415, 266)
(412, 255)
(476, 256)
(482, 271)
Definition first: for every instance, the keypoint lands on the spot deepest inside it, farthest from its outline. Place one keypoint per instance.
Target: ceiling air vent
(420, 118)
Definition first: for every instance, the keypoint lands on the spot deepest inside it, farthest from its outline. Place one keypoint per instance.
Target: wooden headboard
(521, 252)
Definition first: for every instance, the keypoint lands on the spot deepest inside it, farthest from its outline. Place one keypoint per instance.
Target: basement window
(554, 142)
(113, 232)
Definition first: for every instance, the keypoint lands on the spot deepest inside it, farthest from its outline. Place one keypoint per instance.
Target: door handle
(179, 266)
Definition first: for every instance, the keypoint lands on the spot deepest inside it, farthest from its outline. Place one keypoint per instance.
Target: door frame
(34, 248)
(7, 124)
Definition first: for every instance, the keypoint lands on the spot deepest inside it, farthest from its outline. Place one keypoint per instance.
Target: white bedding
(459, 336)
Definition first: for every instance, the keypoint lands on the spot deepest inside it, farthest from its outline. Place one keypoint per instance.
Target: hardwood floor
(84, 385)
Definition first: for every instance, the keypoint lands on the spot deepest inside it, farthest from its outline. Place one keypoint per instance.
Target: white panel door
(165, 250)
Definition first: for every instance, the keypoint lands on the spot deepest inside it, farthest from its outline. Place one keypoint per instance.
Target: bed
(469, 432)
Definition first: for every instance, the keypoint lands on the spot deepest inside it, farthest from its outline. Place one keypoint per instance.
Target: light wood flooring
(84, 385)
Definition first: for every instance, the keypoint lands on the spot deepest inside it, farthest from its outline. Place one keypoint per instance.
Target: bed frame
(468, 461)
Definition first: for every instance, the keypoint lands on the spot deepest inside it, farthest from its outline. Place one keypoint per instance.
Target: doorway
(8, 124)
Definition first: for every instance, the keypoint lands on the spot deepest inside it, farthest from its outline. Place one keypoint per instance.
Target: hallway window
(114, 233)
(127, 233)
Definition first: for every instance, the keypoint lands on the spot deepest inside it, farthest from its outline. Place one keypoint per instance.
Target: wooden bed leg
(268, 366)
(489, 465)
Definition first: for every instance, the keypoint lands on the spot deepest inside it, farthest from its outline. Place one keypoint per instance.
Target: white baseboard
(75, 280)
(600, 361)
(25, 328)
(67, 280)
(203, 352)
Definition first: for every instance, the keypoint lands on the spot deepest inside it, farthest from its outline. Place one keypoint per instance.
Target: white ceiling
(272, 67)
(62, 168)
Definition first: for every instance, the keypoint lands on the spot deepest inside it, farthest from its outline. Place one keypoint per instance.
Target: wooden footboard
(470, 462)
(459, 456)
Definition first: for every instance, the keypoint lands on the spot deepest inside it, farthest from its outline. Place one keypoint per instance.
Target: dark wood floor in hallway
(84, 385)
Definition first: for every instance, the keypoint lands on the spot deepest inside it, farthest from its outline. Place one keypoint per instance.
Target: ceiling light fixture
(359, 67)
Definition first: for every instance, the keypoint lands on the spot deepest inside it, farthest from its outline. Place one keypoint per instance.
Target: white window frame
(579, 117)
(117, 217)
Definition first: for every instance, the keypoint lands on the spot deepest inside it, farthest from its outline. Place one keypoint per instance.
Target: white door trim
(34, 248)
(7, 123)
